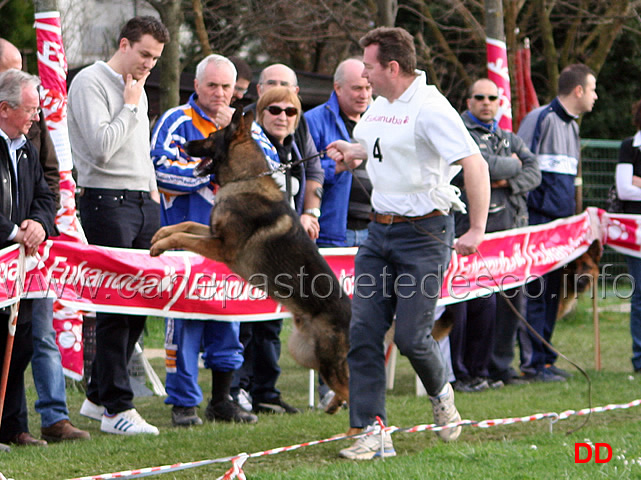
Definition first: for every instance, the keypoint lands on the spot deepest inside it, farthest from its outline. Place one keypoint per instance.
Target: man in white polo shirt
(410, 136)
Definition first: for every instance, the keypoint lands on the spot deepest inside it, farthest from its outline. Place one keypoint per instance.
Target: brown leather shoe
(63, 430)
(25, 438)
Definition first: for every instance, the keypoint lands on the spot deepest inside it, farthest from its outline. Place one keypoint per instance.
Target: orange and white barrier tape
(236, 470)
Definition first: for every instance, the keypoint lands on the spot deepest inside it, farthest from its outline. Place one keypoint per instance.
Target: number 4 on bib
(377, 151)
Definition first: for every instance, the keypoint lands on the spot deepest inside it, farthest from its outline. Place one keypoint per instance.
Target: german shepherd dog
(254, 231)
(578, 277)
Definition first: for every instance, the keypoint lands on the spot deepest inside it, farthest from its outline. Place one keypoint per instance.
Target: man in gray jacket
(486, 347)
(119, 203)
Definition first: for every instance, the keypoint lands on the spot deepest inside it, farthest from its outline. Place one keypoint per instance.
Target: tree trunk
(494, 19)
(201, 30)
(45, 5)
(386, 16)
(171, 15)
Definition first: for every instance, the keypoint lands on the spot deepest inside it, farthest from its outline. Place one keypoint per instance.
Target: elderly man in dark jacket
(27, 213)
(484, 347)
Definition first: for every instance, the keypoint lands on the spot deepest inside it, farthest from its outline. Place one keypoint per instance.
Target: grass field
(517, 451)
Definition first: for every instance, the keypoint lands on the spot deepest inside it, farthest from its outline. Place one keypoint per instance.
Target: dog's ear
(236, 120)
(248, 118)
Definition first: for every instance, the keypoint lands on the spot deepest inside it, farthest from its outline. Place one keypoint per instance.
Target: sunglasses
(289, 111)
(480, 98)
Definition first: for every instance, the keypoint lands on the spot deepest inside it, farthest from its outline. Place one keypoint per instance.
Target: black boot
(221, 406)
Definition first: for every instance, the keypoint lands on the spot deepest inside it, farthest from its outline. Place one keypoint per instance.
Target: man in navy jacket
(27, 213)
(552, 133)
(345, 206)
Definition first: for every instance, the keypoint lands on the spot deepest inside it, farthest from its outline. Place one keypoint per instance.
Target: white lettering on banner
(346, 281)
(185, 285)
(543, 255)
(498, 266)
(53, 57)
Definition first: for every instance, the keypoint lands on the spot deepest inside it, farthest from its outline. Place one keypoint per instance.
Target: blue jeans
(46, 365)
(355, 238)
(634, 269)
(399, 271)
(184, 339)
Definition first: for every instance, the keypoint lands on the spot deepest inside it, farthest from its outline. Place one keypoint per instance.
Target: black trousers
(472, 336)
(14, 415)
(116, 218)
(260, 370)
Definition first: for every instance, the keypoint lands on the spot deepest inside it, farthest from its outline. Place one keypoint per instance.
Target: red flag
(52, 67)
(526, 93)
(498, 72)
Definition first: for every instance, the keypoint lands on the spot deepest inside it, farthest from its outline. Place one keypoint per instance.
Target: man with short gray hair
(27, 214)
(187, 196)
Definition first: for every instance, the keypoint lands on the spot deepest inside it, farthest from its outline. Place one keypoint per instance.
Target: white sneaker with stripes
(91, 410)
(128, 422)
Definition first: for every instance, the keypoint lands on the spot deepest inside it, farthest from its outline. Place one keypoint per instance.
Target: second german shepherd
(255, 232)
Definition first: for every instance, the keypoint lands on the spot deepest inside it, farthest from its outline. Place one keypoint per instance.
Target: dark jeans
(260, 370)
(472, 337)
(542, 307)
(399, 271)
(634, 269)
(14, 414)
(507, 323)
(116, 218)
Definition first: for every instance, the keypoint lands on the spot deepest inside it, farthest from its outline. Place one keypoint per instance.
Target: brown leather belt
(389, 219)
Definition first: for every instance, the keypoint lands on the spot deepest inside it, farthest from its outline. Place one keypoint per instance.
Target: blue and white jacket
(553, 135)
(325, 126)
(185, 196)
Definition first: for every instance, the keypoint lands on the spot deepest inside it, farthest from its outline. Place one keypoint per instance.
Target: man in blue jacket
(345, 207)
(187, 196)
(552, 133)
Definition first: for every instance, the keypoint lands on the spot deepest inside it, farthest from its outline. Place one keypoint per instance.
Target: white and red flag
(52, 67)
(498, 71)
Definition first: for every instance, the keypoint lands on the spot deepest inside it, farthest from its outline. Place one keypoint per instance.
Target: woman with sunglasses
(278, 112)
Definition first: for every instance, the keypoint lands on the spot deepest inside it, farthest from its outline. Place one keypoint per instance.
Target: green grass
(518, 451)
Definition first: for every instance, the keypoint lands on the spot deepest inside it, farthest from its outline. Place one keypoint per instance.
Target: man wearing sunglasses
(484, 333)
(187, 196)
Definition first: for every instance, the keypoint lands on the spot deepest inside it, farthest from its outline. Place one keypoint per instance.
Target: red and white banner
(185, 285)
(498, 72)
(52, 67)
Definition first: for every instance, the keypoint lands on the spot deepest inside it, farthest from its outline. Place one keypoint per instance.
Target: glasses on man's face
(276, 83)
(240, 90)
(480, 98)
(276, 110)
(32, 112)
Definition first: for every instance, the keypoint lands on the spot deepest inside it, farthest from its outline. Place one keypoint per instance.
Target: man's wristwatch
(314, 212)
(132, 107)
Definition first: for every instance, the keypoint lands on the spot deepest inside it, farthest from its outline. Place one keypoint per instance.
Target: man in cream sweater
(119, 202)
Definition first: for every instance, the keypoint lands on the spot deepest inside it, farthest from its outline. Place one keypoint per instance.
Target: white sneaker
(245, 400)
(91, 410)
(367, 448)
(445, 412)
(128, 422)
